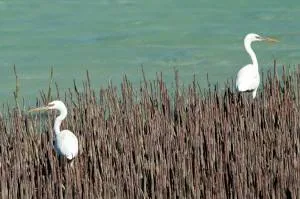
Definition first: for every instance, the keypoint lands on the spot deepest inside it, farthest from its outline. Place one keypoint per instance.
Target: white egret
(248, 77)
(66, 143)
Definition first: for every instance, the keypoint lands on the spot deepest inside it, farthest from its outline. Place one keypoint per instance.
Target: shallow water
(111, 38)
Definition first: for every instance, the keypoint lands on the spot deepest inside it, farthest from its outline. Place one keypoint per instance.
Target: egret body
(66, 143)
(248, 77)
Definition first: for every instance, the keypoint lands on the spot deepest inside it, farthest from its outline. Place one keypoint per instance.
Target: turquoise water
(111, 38)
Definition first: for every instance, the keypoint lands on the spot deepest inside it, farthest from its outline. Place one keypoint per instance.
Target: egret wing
(67, 144)
(247, 79)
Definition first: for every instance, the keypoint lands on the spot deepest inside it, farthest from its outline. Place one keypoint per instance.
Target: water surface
(111, 38)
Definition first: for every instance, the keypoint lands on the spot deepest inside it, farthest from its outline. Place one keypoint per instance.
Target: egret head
(56, 104)
(255, 37)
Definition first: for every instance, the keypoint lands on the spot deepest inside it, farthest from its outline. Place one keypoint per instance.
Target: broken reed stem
(16, 92)
(147, 144)
(49, 86)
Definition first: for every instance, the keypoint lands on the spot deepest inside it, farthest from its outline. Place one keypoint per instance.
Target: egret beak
(271, 40)
(39, 109)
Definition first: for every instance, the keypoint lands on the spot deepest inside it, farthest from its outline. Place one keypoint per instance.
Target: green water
(111, 38)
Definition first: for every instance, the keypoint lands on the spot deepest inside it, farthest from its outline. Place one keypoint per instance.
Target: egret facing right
(248, 77)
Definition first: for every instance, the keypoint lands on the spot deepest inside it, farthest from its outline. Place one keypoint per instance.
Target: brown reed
(146, 143)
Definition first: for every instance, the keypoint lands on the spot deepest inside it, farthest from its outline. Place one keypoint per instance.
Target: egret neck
(249, 50)
(59, 119)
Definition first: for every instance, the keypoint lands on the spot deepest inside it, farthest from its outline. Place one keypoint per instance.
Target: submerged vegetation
(147, 143)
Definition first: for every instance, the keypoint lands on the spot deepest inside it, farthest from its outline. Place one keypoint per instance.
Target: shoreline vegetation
(147, 143)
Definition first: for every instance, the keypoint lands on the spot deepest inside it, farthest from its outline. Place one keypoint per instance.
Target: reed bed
(149, 143)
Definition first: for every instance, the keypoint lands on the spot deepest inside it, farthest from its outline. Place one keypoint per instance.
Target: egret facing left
(66, 143)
